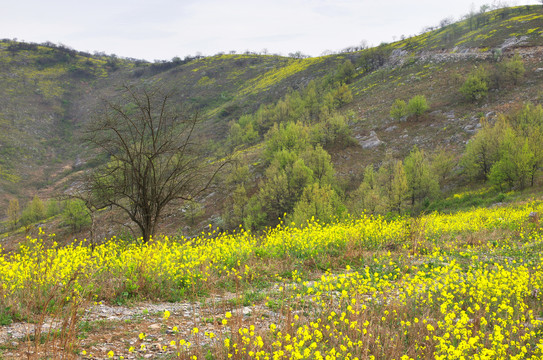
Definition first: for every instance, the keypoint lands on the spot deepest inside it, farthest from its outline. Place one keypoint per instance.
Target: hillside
(49, 93)
(383, 203)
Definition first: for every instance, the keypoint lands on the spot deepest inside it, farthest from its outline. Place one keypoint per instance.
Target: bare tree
(152, 158)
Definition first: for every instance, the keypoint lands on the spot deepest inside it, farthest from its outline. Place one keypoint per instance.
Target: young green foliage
(513, 70)
(317, 203)
(393, 183)
(75, 214)
(421, 180)
(417, 106)
(476, 85)
(12, 212)
(482, 151)
(398, 110)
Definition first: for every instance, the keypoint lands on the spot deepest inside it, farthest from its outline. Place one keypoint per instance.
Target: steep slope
(38, 86)
(49, 92)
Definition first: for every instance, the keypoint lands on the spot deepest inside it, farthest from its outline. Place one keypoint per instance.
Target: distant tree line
(73, 212)
(63, 52)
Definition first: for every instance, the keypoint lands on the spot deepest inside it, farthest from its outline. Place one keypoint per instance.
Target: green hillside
(50, 92)
(383, 203)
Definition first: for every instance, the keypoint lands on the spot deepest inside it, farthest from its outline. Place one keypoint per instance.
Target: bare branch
(152, 158)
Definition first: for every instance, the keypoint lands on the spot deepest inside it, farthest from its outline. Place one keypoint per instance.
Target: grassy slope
(46, 96)
(407, 275)
(38, 85)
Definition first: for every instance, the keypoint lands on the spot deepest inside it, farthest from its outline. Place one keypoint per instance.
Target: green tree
(52, 208)
(393, 184)
(342, 95)
(515, 163)
(239, 205)
(513, 69)
(239, 175)
(422, 182)
(13, 212)
(529, 123)
(286, 179)
(442, 163)
(417, 106)
(398, 110)
(242, 132)
(333, 131)
(317, 203)
(320, 163)
(291, 137)
(476, 85)
(311, 100)
(235, 134)
(345, 72)
(483, 150)
(34, 211)
(75, 214)
(256, 216)
(38, 208)
(367, 198)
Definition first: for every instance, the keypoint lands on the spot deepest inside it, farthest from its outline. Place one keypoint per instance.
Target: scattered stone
(470, 128)
(247, 311)
(370, 141)
(513, 42)
(391, 128)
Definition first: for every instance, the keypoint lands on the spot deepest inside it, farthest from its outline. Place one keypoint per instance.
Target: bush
(76, 215)
(34, 211)
(417, 106)
(317, 203)
(514, 69)
(474, 88)
(398, 110)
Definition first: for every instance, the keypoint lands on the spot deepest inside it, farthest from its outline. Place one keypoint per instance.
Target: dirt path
(104, 328)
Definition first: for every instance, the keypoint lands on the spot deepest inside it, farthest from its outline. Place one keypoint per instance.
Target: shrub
(76, 215)
(398, 110)
(34, 211)
(474, 88)
(513, 70)
(417, 106)
(317, 203)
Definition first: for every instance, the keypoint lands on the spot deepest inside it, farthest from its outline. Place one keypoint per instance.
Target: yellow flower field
(459, 286)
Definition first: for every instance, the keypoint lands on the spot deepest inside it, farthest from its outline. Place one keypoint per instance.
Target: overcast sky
(162, 29)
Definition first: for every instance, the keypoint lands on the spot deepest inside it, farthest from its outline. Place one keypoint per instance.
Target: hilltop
(50, 92)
